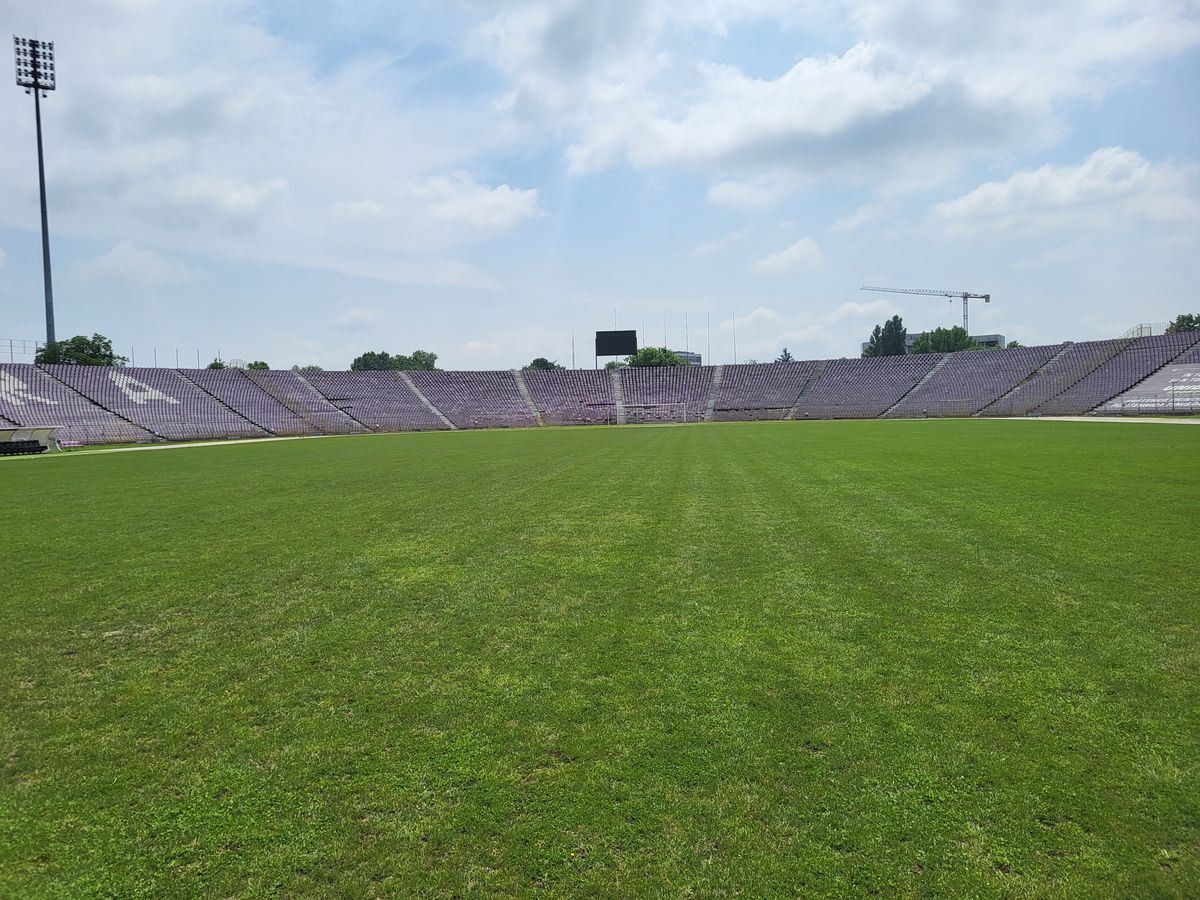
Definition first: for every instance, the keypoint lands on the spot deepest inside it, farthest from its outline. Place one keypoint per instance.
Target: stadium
(923, 622)
(96, 404)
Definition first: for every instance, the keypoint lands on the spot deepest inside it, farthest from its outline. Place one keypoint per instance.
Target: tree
(258, 364)
(373, 362)
(217, 363)
(1184, 322)
(306, 370)
(785, 357)
(944, 340)
(382, 361)
(654, 356)
(888, 339)
(613, 364)
(80, 351)
(1013, 345)
(420, 360)
(543, 364)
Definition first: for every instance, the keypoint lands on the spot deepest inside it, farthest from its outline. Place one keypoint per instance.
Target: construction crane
(965, 295)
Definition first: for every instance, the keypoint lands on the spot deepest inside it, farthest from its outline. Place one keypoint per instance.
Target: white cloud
(473, 348)
(720, 243)
(803, 254)
(357, 319)
(193, 125)
(852, 310)
(864, 215)
(457, 199)
(761, 317)
(129, 265)
(918, 89)
(350, 210)
(1111, 187)
(746, 195)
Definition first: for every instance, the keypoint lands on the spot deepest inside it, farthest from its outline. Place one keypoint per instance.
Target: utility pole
(35, 73)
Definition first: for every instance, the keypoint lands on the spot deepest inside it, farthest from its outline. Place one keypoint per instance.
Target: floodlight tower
(35, 73)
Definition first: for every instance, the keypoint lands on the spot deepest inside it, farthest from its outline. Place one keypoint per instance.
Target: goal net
(641, 413)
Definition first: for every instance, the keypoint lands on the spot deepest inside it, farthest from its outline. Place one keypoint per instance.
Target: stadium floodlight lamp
(35, 73)
(35, 64)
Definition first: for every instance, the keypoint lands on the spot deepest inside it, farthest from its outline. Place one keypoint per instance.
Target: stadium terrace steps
(618, 390)
(476, 399)
(761, 390)
(817, 373)
(1140, 358)
(95, 404)
(523, 390)
(160, 401)
(938, 362)
(666, 393)
(1173, 389)
(966, 381)
(305, 401)
(380, 400)
(232, 388)
(714, 392)
(1052, 361)
(862, 388)
(32, 397)
(1066, 369)
(425, 401)
(573, 396)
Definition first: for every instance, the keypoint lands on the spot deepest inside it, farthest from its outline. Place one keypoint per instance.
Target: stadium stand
(291, 390)
(95, 404)
(760, 390)
(29, 397)
(970, 380)
(383, 401)
(232, 388)
(663, 394)
(159, 400)
(476, 399)
(1140, 359)
(1174, 390)
(1071, 364)
(863, 388)
(572, 396)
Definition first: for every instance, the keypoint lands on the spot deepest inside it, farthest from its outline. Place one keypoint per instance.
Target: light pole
(35, 73)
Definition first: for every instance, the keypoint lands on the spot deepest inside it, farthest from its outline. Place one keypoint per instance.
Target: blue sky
(273, 181)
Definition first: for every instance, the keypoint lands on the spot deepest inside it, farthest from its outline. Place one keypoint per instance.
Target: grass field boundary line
(523, 390)
(407, 379)
(916, 387)
(203, 390)
(1137, 420)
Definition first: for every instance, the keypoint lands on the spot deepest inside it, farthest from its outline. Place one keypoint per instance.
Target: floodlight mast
(965, 295)
(35, 73)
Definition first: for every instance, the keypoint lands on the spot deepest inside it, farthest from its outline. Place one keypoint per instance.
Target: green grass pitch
(780, 659)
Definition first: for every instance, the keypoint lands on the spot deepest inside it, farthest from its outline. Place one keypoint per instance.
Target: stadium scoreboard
(616, 343)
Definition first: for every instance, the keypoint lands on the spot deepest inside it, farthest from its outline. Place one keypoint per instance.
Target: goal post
(648, 413)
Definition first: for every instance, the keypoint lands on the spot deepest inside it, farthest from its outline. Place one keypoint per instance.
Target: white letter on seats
(13, 390)
(138, 391)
